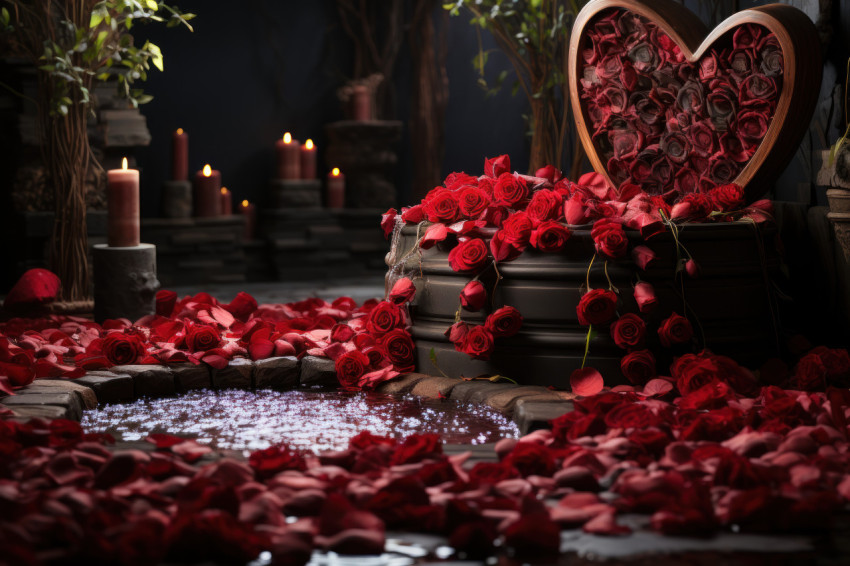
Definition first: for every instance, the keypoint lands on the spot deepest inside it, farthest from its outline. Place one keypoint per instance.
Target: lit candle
(249, 212)
(226, 202)
(180, 156)
(122, 195)
(308, 160)
(288, 158)
(336, 189)
(207, 193)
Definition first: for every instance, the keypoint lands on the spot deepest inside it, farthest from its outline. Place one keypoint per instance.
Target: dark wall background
(247, 75)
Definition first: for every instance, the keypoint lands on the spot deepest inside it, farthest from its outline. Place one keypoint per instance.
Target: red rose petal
(586, 381)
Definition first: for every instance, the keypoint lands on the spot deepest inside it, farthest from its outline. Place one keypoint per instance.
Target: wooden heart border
(803, 69)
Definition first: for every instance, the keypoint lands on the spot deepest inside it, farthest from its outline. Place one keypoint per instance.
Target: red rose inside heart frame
(662, 123)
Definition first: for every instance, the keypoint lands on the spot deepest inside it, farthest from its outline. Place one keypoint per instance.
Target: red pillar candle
(226, 202)
(288, 158)
(250, 213)
(361, 104)
(336, 189)
(180, 156)
(308, 160)
(122, 195)
(206, 193)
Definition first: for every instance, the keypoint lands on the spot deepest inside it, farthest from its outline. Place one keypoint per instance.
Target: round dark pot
(729, 304)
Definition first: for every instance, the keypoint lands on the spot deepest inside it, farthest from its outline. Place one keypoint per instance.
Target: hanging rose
(478, 343)
(596, 307)
(473, 296)
(629, 331)
(402, 292)
(675, 329)
(645, 296)
(638, 366)
(504, 322)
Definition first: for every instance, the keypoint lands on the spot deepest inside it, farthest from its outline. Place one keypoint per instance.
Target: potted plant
(74, 44)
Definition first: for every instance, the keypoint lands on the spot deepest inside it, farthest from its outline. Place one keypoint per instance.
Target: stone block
(237, 375)
(26, 412)
(108, 387)
(477, 391)
(533, 415)
(190, 376)
(402, 385)
(277, 373)
(434, 387)
(69, 402)
(318, 371)
(504, 401)
(86, 396)
(149, 381)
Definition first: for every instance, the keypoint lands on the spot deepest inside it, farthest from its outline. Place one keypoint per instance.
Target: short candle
(249, 212)
(180, 156)
(288, 158)
(308, 160)
(226, 202)
(207, 192)
(336, 189)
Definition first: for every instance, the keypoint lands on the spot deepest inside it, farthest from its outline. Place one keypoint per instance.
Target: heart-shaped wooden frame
(801, 52)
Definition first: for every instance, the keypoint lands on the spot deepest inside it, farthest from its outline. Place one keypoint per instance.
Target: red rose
(516, 229)
(530, 458)
(400, 349)
(510, 191)
(384, 317)
(609, 238)
(473, 296)
(752, 127)
(810, 373)
(727, 198)
(550, 236)
(468, 255)
(478, 343)
(403, 291)
(472, 202)
(597, 306)
(628, 331)
(638, 366)
(836, 361)
(675, 329)
(202, 338)
(122, 349)
(575, 209)
(388, 222)
(416, 448)
(645, 296)
(693, 206)
(275, 459)
(457, 332)
(495, 167)
(549, 173)
(414, 214)
(626, 143)
(676, 146)
(504, 322)
(456, 181)
(350, 367)
(441, 206)
(165, 301)
(545, 204)
(757, 87)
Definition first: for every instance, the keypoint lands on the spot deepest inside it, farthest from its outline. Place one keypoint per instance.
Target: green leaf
(156, 55)
(152, 5)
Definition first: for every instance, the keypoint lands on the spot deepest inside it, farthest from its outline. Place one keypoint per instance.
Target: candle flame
(224, 190)
(335, 172)
(245, 203)
(287, 138)
(308, 144)
(124, 164)
(179, 131)
(207, 170)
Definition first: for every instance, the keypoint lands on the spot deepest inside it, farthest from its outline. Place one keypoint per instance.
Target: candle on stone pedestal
(207, 195)
(226, 202)
(180, 156)
(336, 189)
(361, 104)
(122, 196)
(250, 213)
(288, 158)
(308, 160)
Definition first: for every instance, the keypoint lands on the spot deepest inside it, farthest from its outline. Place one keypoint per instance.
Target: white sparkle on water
(306, 420)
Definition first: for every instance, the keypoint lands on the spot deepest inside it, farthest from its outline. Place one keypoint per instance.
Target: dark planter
(729, 304)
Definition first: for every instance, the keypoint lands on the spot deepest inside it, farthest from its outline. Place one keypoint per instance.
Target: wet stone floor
(306, 420)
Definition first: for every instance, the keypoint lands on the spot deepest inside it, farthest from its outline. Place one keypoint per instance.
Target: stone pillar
(177, 199)
(125, 282)
(366, 154)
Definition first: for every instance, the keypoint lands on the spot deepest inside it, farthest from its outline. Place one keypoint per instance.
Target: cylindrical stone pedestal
(303, 193)
(177, 199)
(125, 282)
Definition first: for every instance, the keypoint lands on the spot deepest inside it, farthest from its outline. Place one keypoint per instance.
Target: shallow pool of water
(305, 420)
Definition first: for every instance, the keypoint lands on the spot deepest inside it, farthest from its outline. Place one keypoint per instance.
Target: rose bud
(692, 268)
(645, 296)
(643, 256)
(457, 332)
(676, 329)
(473, 296)
(403, 291)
